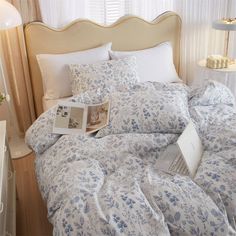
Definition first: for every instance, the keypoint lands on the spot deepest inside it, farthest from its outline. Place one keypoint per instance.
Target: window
(106, 11)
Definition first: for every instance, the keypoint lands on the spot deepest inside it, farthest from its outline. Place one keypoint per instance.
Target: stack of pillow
(136, 107)
(101, 68)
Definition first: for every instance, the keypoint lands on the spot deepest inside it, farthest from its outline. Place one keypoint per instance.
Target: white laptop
(184, 156)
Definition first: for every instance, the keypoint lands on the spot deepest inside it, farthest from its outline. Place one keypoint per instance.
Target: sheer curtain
(58, 13)
(19, 112)
(148, 10)
(16, 70)
(198, 37)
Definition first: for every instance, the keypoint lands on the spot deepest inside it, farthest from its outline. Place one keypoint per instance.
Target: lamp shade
(9, 16)
(225, 24)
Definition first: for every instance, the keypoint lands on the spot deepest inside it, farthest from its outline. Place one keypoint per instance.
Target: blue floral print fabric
(112, 185)
(212, 93)
(107, 75)
(147, 111)
(39, 136)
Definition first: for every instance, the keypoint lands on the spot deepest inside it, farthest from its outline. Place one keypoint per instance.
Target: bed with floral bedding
(109, 183)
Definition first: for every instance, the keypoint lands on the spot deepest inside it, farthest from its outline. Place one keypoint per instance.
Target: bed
(108, 183)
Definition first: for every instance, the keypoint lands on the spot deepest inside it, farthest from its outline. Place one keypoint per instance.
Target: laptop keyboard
(178, 166)
(172, 162)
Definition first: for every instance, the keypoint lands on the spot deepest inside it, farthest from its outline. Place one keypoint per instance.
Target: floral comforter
(110, 184)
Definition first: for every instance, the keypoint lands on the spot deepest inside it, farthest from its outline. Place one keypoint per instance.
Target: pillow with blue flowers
(109, 75)
(147, 111)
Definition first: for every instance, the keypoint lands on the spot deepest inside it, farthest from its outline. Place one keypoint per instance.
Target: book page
(97, 116)
(72, 118)
(69, 118)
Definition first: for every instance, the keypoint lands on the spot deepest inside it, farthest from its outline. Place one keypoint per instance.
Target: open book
(184, 156)
(72, 118)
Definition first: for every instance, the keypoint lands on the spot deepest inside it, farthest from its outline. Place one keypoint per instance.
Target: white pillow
(54, 69)
(154, 64)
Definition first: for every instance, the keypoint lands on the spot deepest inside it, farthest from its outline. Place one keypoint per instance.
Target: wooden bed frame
(128, 33)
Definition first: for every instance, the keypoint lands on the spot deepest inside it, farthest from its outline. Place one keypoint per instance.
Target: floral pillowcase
(147, 111)
(109, 75)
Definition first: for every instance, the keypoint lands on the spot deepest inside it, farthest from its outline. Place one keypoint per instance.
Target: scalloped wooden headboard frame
(128, 33)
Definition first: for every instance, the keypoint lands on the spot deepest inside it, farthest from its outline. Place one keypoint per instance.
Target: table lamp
(10, 18)
(226, 24)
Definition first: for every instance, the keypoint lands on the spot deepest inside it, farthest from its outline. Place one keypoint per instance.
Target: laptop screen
(191, 147)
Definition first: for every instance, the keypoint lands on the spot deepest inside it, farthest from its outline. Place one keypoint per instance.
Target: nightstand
(227, 76)
(7, 187)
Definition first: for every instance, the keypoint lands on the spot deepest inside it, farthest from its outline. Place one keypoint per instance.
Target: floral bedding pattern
(112, 186)
(147, 111)
(113, 74)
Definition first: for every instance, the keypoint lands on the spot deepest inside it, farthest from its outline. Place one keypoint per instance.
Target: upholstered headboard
(128, 33)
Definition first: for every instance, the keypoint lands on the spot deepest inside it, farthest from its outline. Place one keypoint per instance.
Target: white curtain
(198, 37)
(16, 72)
(58, 13)
(232, 14)
(149, 9)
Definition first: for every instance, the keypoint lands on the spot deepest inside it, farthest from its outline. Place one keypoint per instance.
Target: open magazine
(72, 118)
(184, 156)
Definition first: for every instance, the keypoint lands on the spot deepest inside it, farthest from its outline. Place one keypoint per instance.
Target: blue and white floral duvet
(111, 185)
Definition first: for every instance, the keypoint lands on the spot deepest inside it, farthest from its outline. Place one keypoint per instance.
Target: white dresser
(7, 187)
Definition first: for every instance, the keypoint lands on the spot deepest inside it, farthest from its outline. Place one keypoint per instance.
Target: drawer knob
(8, 234)
(1, 207)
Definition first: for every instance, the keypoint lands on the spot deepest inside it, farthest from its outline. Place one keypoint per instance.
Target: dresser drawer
(4, 194)
(11, 204)
(7, 187)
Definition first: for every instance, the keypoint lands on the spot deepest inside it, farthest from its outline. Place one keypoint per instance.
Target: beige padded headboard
(128, 33)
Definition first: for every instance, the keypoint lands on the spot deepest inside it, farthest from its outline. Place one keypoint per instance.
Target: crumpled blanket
(112, 185)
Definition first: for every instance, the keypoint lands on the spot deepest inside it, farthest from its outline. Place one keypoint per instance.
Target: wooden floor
(31, 215)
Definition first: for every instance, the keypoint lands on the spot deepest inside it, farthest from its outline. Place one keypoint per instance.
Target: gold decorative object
(217, 62)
